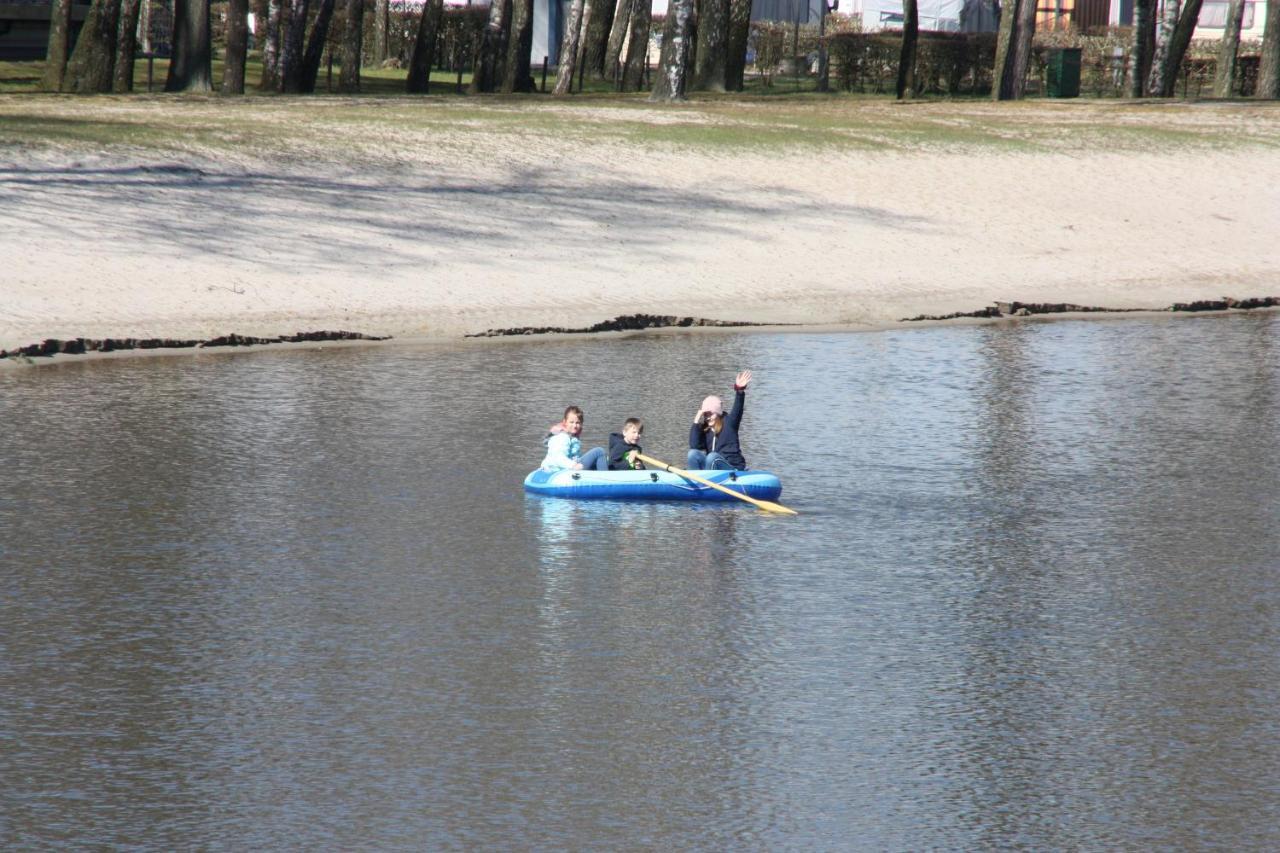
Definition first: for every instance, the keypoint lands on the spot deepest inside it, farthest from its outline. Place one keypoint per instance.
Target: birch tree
(92, 62)
(1165, 26)
(352, 40)
(237, 47)
(518, 76)
(1269, 67)
(272, 27)
(1228, 51)
(55, 63)
(711, 57)
(1175, 49)
(673, 66)
(637, 46)
(907, 56)
(381, 30)
(489, 65)
(424, 48)
(617, 38)
(1144, 37)
(270, 81)
(569, 49)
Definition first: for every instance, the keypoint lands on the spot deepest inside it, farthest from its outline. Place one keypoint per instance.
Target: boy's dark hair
(572, 410)
(635, 422)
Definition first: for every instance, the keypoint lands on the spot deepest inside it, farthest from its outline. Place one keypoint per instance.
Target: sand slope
(570, 233)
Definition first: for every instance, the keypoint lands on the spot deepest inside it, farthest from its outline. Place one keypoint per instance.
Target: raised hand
(741, 381)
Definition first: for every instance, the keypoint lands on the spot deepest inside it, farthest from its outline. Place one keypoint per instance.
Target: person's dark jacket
(618, 450)
(726, 443)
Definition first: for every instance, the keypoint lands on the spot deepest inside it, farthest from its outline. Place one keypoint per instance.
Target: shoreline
(16, 363)
(557, 218)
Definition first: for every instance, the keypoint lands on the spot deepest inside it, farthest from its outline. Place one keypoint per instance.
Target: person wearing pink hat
(713, 440)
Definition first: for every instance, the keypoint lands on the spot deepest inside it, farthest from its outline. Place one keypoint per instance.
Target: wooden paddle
(769, 506)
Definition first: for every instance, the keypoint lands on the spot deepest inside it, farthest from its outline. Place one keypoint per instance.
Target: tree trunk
(237, 47)
(1160, 56)
(673, 66)
(907, 57)
(617, 36)
(1002, 72)
(55, 63)
(1177, 47)
(518, 76)
(596, 37)
(736, 52)
(1143, 46)
(1022, 46)
(824, 61)
(259, 21)
(381, 30)
(93, 60)
(711, 61)
(569, 49)
(1225, 75)
(491, 62)
(315, 46)
(352, 39)
(424, 49)
(637, 47)
(270, 81)
(144, 26)
(189, 68)
(293, 45)
(126, 46)
(1182, 40)
(1269, 66)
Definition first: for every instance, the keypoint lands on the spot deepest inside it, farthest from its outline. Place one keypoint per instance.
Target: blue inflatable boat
(651, 485)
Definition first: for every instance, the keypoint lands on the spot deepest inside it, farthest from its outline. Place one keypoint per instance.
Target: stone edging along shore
(81, 346)
(1026, 309)
(628, 322)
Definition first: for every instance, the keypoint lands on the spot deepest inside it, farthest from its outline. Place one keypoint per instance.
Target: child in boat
(564, 447)
(625, 446)
(713, 440)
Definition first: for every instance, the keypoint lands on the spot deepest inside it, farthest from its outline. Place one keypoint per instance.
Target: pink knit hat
(713, 405)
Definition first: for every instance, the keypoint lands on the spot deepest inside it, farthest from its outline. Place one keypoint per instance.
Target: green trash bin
(1064, 72)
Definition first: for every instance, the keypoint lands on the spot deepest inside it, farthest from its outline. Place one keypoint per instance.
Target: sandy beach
(443, 233)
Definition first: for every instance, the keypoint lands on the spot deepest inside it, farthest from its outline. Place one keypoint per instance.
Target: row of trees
(293, 42)
(1158, 50)
(704, 46)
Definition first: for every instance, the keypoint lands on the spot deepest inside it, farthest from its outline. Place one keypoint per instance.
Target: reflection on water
(298, 598)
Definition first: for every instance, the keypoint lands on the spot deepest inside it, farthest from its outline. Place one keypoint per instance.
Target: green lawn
(384, 123)
(25, 77)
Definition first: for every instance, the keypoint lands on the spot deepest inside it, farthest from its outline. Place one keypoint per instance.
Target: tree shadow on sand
(304, 220)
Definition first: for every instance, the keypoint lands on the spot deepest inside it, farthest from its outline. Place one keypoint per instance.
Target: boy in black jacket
(624, 446)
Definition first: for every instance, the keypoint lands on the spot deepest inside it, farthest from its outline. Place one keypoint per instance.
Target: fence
(961, 63)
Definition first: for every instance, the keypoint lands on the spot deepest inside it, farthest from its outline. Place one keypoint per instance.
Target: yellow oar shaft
(765, 505)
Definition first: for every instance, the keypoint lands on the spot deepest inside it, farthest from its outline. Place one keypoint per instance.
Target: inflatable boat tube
(651, 485)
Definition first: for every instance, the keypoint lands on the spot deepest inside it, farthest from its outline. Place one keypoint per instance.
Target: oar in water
(770, 506)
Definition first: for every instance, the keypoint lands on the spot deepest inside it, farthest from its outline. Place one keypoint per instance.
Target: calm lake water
(297, 599)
